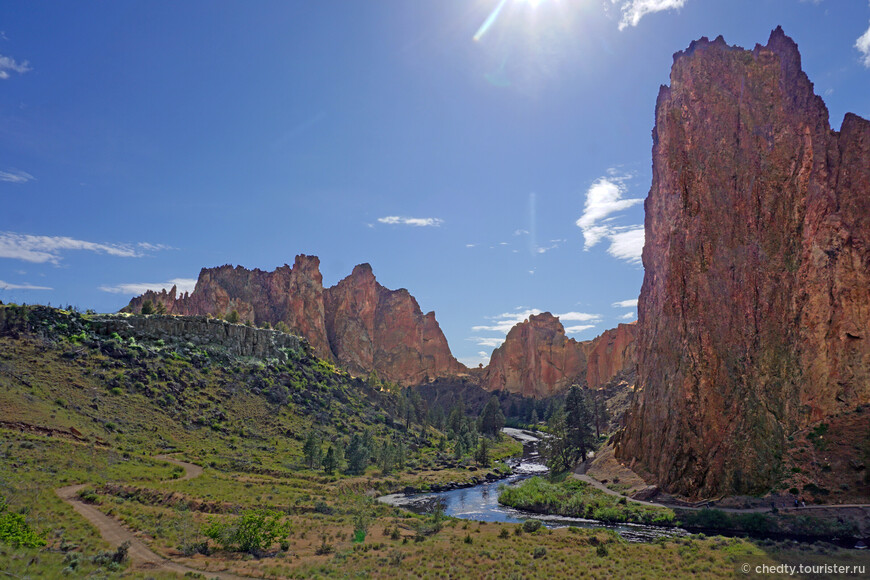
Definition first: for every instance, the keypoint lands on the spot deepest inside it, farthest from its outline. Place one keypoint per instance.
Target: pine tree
(311, 450)
(491, 418)
(329, 461)
(147, 308)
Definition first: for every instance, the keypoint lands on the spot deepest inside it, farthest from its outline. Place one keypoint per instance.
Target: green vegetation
(575, 498)
(571, 430)
(255, 531)
(281, 495)
(15, 531)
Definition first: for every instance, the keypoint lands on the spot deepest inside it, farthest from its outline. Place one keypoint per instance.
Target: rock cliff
(610, 354)
(358, 323)
(293, 296)
(538, 360)
(755, 306)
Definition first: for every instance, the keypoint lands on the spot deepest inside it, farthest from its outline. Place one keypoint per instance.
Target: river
(480, 502)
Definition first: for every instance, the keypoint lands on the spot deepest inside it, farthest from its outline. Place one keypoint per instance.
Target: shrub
(15, 531)
(539, 552)
(254, 531)
(504, 533)
(531, 525)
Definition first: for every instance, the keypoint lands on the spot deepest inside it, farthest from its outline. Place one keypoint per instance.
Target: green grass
(575, 498)
(96, 410)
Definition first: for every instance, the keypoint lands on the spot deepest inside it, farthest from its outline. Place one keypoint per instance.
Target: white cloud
(482, 358)
(577, 316)
(470, 245)
(625, 303)
(521, 232)
(8, 64)
(493, 342)
(42, 249)
(627, 244)
(579, 328)
(13, 176)
(604, 198)
(634, 10)
(182, 285)
(628, 316)
(8, 286)
(410, 221)
(863, 45)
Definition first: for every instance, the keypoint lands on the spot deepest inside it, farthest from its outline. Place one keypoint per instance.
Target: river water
(480, 503)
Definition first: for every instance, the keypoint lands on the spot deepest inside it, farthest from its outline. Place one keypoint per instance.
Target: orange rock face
(293, 296)
(755, 306)
(373, 328)
(358, 323)
(610, 354)
(536, 359)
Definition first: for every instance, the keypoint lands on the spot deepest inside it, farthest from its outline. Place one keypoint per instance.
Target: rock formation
(373, 328)
(293, 296)
(755, 306)
(538, 360)
(610, 354)
(358, 323)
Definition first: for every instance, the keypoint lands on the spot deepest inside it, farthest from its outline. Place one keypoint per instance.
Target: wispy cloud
(625, 303)
(182, 285)
(49, 249)
(411, 221)
(8, 64)
(604, 199)
(482, 358)
(13, 176)
(492, 341)
(553, 245)
(863, 46)
(578, 328)
(25, 286)
(628, 316)
(627, 244)
(634, 10)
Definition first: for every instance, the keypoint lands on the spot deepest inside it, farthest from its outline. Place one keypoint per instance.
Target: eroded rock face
(536, 359)
(611, 353)
(358, 323)
(373, 328)
(293, 296)
(755, 304)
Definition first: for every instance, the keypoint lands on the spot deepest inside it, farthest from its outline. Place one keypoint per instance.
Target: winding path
(115, 533)
(598, 485)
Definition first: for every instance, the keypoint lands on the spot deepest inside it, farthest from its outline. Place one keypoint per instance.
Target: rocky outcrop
(536, 359)
(235, 339)
(610, 354)
(755, 306)
(373, 328)
(358, 323)
(292, 296)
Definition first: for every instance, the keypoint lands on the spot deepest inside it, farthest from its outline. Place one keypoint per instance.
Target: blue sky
(490, 156)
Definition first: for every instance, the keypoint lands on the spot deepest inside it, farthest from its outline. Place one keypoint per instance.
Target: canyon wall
(538, 360)
(357, 323)
(755, 306)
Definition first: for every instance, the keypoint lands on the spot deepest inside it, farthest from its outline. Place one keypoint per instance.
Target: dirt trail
(190, 470)
(115, 533)
(598, 485)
